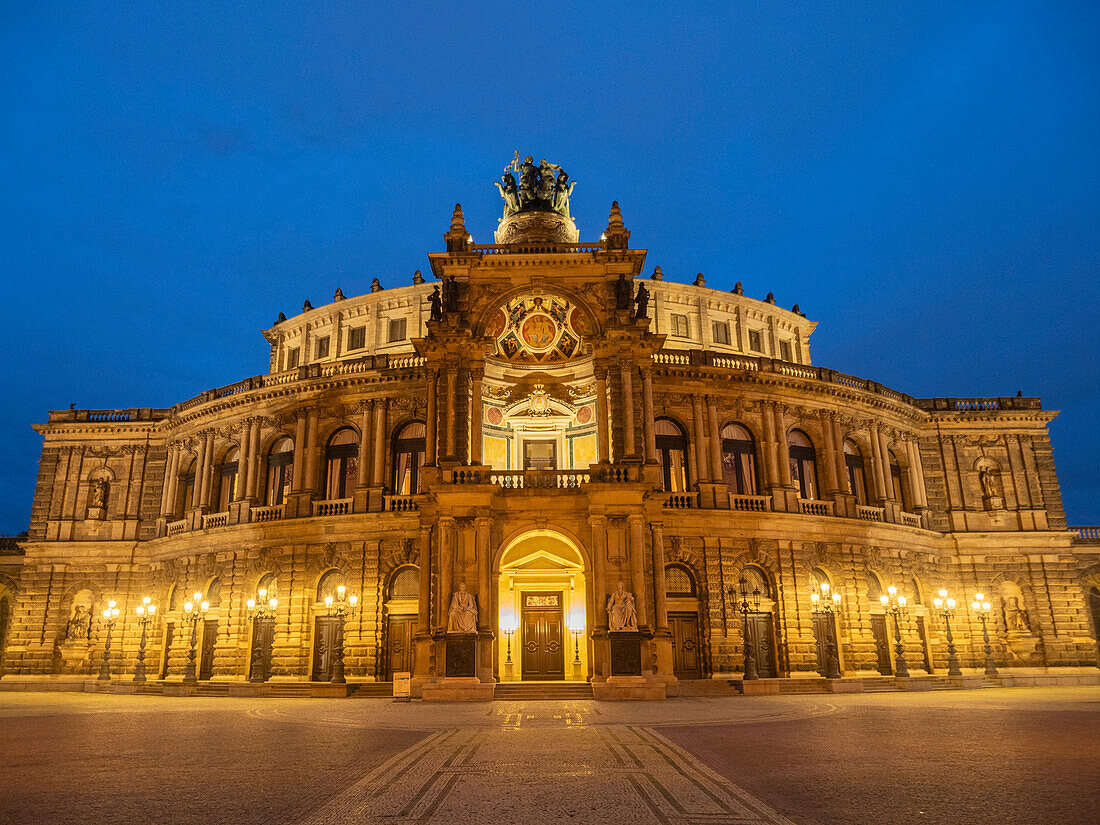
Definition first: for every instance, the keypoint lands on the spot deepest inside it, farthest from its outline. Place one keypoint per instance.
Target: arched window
(270, 583)
(174, 594)
(679, 581)
(917, 598)
(341, 463)
(757, 580)
(186, 487)
(895, 482)
(857, 479)
(874, 588)
(328, 584)
(803, 463)
(739, 460)
(819, 577)
(672, 450)
(280, 471)
(227, 479)
(405, 585)
(408, 458)
(214, 593)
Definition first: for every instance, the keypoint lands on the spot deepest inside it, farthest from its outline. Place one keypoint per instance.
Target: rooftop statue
(540, 188)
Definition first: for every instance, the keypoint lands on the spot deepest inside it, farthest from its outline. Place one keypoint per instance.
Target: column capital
(480, 522)
(446, 521)
(635, 519)
(596, 522)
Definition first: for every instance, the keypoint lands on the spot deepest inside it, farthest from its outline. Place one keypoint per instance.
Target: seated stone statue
(621, 612)
(463, 618)
(80, 625)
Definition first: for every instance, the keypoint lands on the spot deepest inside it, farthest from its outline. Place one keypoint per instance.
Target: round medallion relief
(539, 331)
(494, 416)
(584, 415)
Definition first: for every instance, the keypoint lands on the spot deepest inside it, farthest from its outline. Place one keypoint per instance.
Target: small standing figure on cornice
(563, 189)
(436, 304)
(527, 179)
(509, 193)
(624, 295)
(642, 301)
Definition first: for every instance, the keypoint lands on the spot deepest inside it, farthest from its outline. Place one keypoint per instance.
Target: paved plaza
(988, 756)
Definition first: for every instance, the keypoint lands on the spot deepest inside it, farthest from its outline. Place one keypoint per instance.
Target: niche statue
(463, 618)
(622, 615)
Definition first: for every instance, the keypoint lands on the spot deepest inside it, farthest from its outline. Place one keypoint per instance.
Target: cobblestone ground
(990, 756)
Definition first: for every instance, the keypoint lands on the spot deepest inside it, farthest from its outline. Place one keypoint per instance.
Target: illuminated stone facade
(541, 432)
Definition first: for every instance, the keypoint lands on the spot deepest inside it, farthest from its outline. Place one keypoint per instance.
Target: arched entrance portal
(543, 613)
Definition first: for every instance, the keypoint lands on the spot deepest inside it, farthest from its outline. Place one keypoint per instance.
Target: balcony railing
(540, 479)
(215, 520)
(272, 512)
(752, 504)
(177, 527)
(870, 513)
(400, 504)
(910, 519)
(332, 507)
(682, 501)
(813, 507)
(1089, 534)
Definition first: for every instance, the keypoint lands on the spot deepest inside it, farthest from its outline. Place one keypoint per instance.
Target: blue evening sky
(921, 178)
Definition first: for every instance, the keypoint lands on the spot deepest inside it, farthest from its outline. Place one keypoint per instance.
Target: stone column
(884, 454)
(831, 481)
(784, 448)
(207, 470)
(432, 423)
(916, 481)
(598, 526)
(424, 605)
(244, 459)
(452, 411)
(363, 477)
(603, 436)
(254, 454)
(716, 474)
(483, 528)
(299, 452)
(771, 468)
(167, 499)
(699, 436)
(476, 415)
(628, 411)
(309, 483)
(173, 481)
(648, 422)
(841, 465)
(377, 477)
(446, 566)
(876, 465)
(637, 566)
(660, 597)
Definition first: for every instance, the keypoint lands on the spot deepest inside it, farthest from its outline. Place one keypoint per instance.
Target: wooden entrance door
(209, 639)
(763, 644)
(325, 631)
(400, 643)
(541, 626)
(925, 650)
(822, 636)
(882, 643)
(686, 661)
(263, 636)
(169, 633)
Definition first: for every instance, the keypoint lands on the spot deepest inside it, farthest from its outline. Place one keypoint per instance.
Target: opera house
(545, 463)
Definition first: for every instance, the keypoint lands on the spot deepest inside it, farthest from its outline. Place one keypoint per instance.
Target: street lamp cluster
(146, 612)
(192, 612)
(826, 605)
(342, 606)
(259, 611)
(747, 601)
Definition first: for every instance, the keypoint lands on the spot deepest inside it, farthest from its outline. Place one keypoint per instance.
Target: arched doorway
(1094, 612)
(543, 610)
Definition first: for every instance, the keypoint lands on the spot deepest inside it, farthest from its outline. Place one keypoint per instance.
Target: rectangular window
(680, 326)
(756, 340)
(785, 350)
(397, 330)
(292, 358)
(721, 332)
(357, 337)
(321, 348)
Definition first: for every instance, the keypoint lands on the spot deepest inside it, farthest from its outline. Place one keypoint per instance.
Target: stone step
(528, 691)
(373, 690)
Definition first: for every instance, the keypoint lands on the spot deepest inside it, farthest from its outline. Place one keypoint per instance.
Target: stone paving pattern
(991, 756)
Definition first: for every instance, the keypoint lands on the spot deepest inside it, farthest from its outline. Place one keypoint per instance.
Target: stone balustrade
(682, 501)
(273, 512)
(752, 504)
(540, 479)
(870, 513)
(1087, 534)
(910, 519)
(332, 507)
(214, 520)
(400, 504)
(175, 528)
(813, 507)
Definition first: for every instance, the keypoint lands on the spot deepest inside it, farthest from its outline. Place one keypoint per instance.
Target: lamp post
(982, 608)
(946, 608)
(747, 602)
(192, 612)
(110, 613)
(259, 609)
(895, 605)
(827, 606)
(146, 612)
(508, 625)
(341, 607)
(576, 629)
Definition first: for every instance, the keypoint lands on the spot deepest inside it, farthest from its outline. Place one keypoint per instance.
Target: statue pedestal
(626, 653)
(461, 658)
(75, 655)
